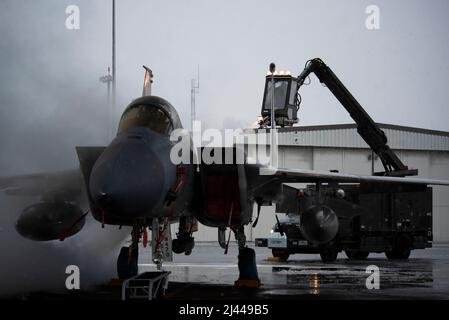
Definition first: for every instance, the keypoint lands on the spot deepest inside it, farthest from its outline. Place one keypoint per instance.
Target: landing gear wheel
(177, 246)
(356, 254)
(401, 248)
(282, 254)
(183, 245)
(329, 252)
(190, 244)
(127, 262)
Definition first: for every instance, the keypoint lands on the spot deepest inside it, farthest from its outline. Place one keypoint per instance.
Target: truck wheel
(282, 254)
(401, 248)
(391, 255)
(356, 254)
(398, 254)
(329, 252)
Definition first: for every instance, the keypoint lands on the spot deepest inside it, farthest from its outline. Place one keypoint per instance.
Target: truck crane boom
(366, 127)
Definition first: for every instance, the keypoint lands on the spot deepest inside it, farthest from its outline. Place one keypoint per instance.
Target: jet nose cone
(101, 197)
(127, 180)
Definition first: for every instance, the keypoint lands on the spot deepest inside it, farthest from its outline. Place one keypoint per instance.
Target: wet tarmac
(424, 276)
(209, 274)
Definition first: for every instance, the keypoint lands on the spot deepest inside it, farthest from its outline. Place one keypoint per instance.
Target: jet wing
(69, 183)
(59, 213)
(303, 175)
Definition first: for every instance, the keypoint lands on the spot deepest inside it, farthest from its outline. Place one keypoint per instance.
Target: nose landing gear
(127, 261)
(184, 243)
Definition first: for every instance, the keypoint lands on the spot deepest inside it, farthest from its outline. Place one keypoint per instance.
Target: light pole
(113, 57)
(273, 143)
(111, 79)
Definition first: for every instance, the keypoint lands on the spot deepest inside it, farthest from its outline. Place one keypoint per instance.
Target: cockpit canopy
(147, 116)
(150, 112)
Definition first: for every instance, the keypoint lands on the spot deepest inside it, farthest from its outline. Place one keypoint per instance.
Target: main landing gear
(248, 276)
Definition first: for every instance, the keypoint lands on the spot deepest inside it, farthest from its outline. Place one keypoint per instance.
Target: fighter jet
(133, 182)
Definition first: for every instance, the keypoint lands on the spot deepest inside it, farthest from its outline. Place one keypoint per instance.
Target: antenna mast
(194, 90)
(108, 80)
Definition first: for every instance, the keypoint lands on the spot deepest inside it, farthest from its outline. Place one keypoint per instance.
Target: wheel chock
(253, 283)
(274, 259)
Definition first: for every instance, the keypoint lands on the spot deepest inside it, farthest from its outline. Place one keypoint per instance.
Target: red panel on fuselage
(221, 193)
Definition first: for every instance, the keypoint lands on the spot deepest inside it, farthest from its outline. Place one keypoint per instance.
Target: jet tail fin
(148, 80)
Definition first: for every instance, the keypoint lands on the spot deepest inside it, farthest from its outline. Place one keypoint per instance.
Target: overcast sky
(51, 98)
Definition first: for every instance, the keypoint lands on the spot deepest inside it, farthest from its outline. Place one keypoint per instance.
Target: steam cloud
(29, 266)
(50, 102)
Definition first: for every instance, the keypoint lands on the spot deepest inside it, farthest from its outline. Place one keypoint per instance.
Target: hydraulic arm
(366, 127)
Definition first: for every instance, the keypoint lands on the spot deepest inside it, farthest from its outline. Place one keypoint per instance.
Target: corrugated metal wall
(349, 138)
